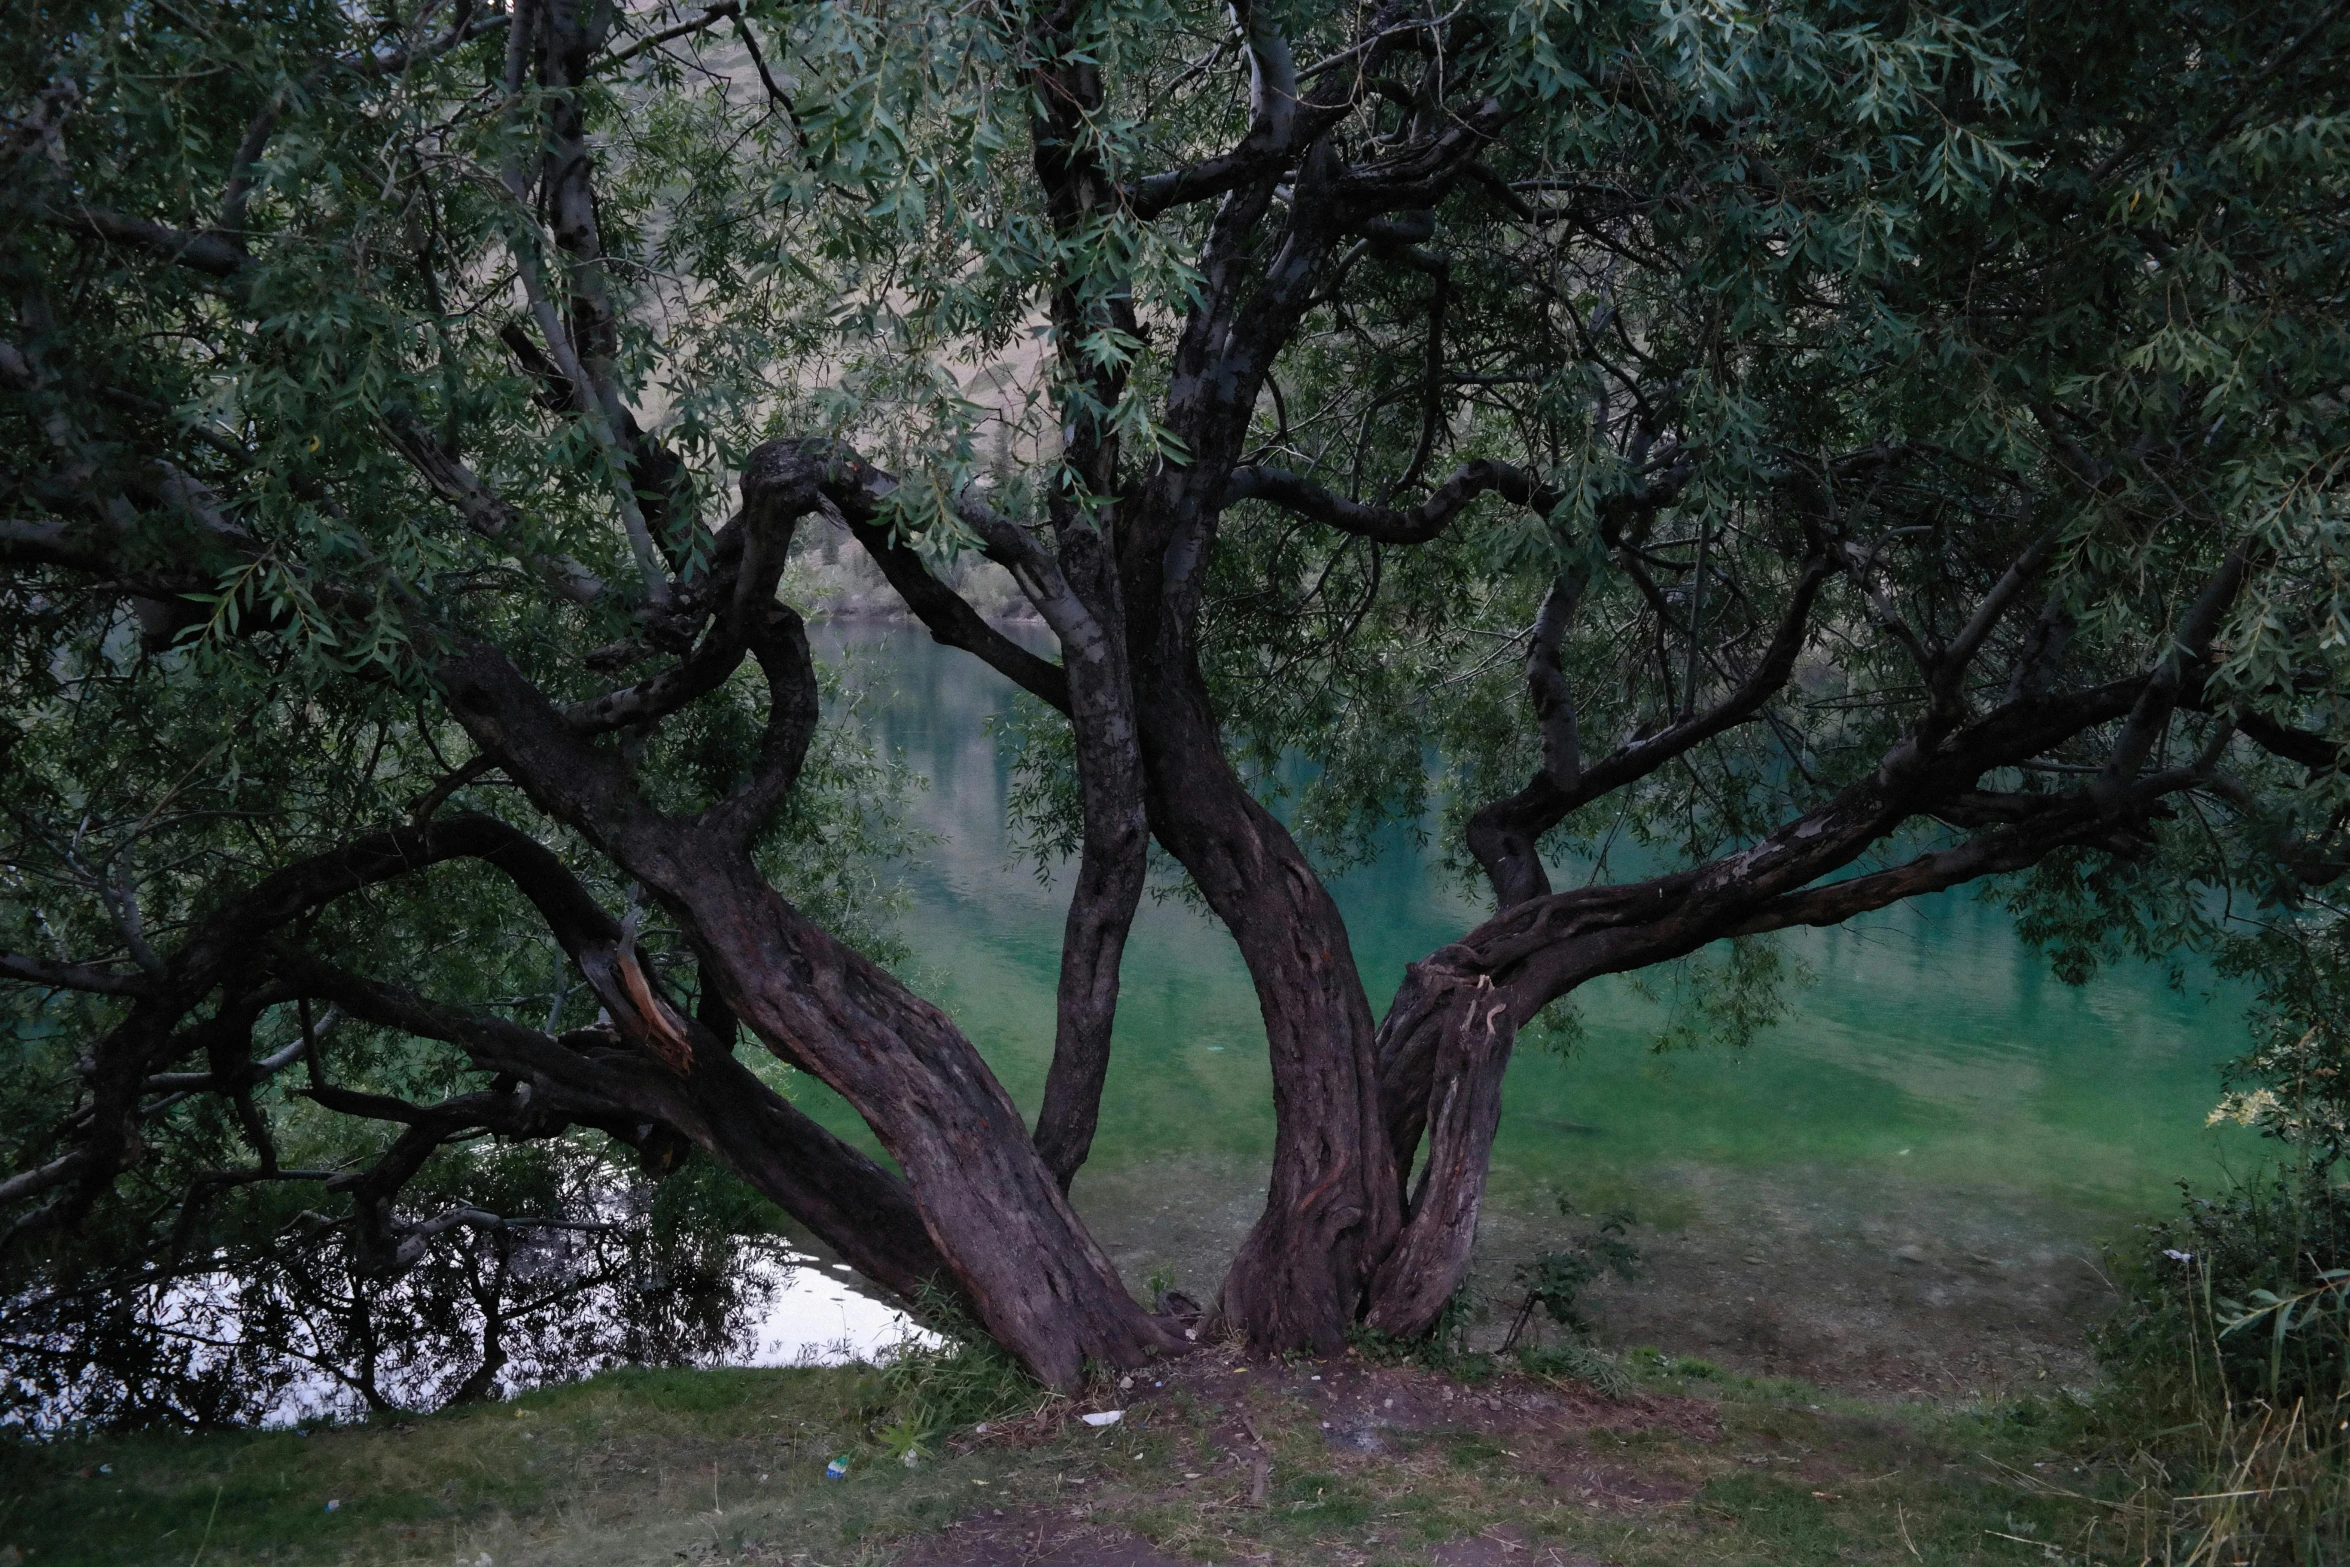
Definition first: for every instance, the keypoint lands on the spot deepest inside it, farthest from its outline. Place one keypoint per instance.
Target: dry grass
(2255, 1485)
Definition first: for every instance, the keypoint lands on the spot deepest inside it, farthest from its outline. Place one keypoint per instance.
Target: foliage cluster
(2239, 1297)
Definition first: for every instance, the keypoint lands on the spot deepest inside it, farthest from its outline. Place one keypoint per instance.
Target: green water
(1933, 1057)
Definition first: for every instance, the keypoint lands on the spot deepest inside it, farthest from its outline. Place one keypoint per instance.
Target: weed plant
(2229, 1367)
(2242, 1295)
(956, 1379)
(1554, 1282)
(1444, 1349)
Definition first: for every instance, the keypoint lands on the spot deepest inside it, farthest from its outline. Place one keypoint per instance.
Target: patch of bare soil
(1504, 1547)
(1362, 1409)
(1034, 1537)
(1357, 1400)
(1616, 1488)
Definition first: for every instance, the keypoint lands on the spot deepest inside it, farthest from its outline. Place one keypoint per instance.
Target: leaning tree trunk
(1332, 1209)
(1449, 1036)
(992, 1206)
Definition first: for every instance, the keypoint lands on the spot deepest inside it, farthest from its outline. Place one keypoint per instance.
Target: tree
(1853, 455)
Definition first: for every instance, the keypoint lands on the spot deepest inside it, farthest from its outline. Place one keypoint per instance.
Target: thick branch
(1387, 524)
(1273, 130)
(860, 493)
(850, 1203)
(2313, 751)
(2058, 821)
(724, 10)
(198, 249)
(1505, 836)
(953, 622)
(2189, 642)
(90, 977)
(233, 939)
(781, 647)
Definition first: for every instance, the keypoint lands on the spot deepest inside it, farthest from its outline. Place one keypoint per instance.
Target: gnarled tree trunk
(1332, 1208)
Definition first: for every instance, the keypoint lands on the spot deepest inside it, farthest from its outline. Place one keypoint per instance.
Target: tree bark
(990, 1204)
(1113, 860)
(1474, 1032)
(1333, 1207)
(1043, 1288)
(1077, 591)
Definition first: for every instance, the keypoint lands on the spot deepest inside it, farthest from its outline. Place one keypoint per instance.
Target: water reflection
(815, 1317)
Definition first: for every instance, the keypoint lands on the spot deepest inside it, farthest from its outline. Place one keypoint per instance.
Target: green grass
(642, 1466)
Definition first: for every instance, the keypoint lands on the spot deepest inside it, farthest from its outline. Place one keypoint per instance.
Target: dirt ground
(1363, 1410)
(1399, 1464)
(1909, 1292)
(1038, 1539)
(1211, 1459)
(1863, 1314)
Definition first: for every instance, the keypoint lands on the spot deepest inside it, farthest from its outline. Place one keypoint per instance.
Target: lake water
(1933, 1068)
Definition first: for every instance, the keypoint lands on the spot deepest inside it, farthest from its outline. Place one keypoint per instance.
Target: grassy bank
(1225, 1462)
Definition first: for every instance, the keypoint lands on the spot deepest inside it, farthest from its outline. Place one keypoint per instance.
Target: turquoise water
(1933, 1054)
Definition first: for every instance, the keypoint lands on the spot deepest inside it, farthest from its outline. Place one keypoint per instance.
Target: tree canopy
(1781, 460)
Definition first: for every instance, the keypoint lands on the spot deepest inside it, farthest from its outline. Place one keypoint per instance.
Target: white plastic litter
(1106, 1417)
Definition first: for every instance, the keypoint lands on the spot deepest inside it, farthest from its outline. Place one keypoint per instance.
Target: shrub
(2243, 1295)
(2230, 1378)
